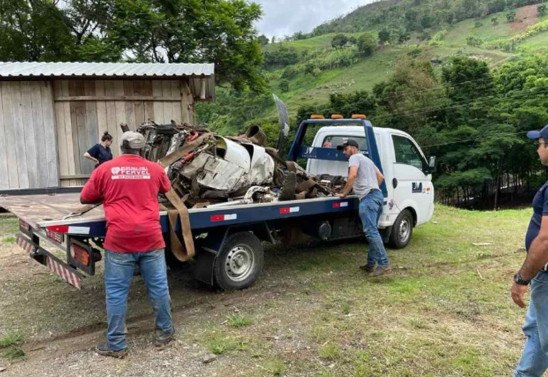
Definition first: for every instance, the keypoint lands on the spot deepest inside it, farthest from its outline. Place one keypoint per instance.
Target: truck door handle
(394, 182)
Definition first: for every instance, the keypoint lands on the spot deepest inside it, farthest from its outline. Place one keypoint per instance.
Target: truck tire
(239, 262)
(401, 230)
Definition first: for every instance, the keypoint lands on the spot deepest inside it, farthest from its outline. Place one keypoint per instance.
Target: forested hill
(401, 17)
(467, 89)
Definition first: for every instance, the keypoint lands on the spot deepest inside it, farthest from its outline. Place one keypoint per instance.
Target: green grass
(220, 345)
(536, 43)
(444, 311)
(8, 240)
(275, 366)
(238, 320)
(9, 224)
(10, 346)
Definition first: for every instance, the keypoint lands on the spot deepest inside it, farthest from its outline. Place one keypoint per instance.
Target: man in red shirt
(128, 186)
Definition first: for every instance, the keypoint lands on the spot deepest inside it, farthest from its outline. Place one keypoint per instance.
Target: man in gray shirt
(364, 180)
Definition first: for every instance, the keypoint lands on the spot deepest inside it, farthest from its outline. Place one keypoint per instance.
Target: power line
(467, 140)
(417, 110)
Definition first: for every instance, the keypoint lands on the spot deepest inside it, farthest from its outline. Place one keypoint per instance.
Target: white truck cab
(407, 186)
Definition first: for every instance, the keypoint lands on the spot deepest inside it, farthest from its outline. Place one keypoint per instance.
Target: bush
(289, 72)
(367, 43)
(495, 21)
(284, 86)
(281, 57)
(474, 41)
(339, 41)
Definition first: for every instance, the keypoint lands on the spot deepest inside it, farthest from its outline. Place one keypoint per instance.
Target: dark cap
(349, 143)
(535, 134)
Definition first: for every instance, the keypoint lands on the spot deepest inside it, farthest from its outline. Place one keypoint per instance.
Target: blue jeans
(534, 359)
(370, 213)
(119, 269)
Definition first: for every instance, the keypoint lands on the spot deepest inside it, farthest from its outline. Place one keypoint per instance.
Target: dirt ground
(61, 325)
(525, 17)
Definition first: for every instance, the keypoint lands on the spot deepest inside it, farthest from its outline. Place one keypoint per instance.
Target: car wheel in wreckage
(239, 262)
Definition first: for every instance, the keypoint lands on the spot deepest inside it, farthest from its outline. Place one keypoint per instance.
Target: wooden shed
(51, 113)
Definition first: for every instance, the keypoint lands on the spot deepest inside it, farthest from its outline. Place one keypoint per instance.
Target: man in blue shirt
(100, 152)
(534, 272)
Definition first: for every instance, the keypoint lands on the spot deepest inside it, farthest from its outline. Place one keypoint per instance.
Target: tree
(34, 31)
(511, 16)
(541, 10)
(339, 40)
(410, 99)
(191, 31)
(384, 36)
(467, 79)
(263, 40)
(367, 44)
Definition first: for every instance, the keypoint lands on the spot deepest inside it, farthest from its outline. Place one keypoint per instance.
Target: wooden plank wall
(85, 109)
(28, 156)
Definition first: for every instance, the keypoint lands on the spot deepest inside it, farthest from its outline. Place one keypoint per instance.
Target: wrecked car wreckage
(209, 170)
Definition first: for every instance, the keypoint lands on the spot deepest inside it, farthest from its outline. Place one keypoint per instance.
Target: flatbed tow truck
(229, 239)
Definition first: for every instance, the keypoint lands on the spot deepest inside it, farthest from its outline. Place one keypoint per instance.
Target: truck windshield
(333, 141)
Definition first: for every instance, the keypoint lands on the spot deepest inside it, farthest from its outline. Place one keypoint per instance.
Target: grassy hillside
(490, 38)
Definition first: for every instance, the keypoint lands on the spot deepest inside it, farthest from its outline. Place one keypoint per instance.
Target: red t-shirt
(129, 186)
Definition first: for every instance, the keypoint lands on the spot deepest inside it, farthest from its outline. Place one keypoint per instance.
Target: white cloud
(286, 17)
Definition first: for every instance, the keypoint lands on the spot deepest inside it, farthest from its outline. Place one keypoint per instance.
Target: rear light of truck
(80, 254)
(54, 236)
(58, 228)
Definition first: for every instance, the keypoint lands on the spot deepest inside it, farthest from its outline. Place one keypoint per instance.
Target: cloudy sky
(286, 17)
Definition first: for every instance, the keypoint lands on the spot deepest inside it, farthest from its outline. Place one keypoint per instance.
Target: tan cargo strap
(186, 251)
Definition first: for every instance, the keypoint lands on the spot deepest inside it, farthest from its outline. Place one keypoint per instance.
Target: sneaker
(163, 338)
(381, 270)
(104, 350)
(367, 268)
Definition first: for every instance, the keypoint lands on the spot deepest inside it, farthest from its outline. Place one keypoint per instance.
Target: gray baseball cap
(135, 140)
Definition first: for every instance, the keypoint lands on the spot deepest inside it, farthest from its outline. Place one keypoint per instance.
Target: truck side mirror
(432, 163)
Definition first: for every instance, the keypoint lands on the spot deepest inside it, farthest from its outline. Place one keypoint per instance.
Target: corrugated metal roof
(38, 69)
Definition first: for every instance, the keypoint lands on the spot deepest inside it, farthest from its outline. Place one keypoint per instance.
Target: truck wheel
(239, 262)
(401, 230)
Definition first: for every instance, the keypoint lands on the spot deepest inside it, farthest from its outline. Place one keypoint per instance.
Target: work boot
(104, 350)
(381, 270)
(367, 268)
(162, 338)
(288, 189)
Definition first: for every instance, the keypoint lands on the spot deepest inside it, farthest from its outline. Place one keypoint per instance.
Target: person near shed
(128, 186)
(100, 152)
(534, 273)
(364, 179)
